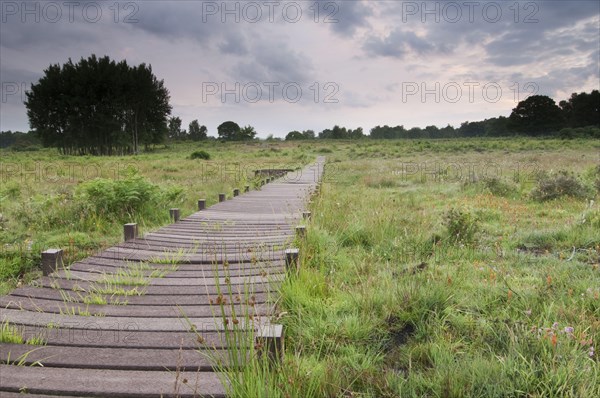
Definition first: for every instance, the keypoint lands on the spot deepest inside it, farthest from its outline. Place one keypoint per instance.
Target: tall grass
(393, 301)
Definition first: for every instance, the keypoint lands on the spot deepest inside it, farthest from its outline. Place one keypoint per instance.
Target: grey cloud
(234, 43)
(350, 15)
(516, 48)
(273, 61)
(398, 43)
(177, 20)
(507, 41)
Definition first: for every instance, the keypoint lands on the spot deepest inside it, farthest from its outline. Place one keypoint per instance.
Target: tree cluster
(19, 140)
(296, 135)
(341, 133)
(231, 131)
(535, 116)
(99, 107)
(195, 131)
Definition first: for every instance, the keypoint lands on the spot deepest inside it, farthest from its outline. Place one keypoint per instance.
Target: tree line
(536, 116)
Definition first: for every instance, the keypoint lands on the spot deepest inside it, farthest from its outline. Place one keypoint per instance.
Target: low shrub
(461, 227)
(200, 155)
(121, 198)
(551, 187)
(493, 185)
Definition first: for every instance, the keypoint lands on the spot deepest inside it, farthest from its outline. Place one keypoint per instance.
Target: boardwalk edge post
(300, 231)
(174, 214)
(306, 215)
(52, 259)
(269, 341)
(221, 197)
(236, 192)
(130, 231)
(201, 204)
(291, 260)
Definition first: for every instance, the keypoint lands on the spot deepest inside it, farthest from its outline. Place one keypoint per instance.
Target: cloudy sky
(296, 65)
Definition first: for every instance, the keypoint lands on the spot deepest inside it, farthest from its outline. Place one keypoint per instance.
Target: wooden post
(306, 215)
(291, 260)
(269, 341)
(301, 231)
(130, 231)
(247, 188)
(221, 197)
(174, 214)
(201, 204)
(52, 259)
(236, 192)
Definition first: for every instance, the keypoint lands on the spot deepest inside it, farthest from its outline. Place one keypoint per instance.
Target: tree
(18, 139)
(356, 133)
(582, 109)
(294, 136)
(228, 131)
(471, 129)
(246, 133)
(98, 106)
(536, 115)
(496, 127)
(175, 131)
(388, 132)
(197, 132)
(308, 134)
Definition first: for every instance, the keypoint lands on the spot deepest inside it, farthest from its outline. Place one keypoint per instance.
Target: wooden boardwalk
(138, 344)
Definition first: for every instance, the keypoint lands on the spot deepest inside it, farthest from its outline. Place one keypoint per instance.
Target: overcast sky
(282, 66)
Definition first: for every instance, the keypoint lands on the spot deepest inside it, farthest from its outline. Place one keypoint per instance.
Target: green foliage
(296, 135)
(536, 115)
(228, 131)
(118, 197)
(579, 132)
(197, 132)
(494, 185)
(19, 141)
(341, 133)
(98, 107)
(498, 187)
(174, 129)
(201, 154)
(10, 190)
(15, 261)
(10, 334)
(461, 227)
(582, 109)
(123, 198)
(561, 184)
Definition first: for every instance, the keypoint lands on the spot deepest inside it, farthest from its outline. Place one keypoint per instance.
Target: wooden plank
(125, 336)
(190, 360)
(197, 299)
(58, 283)
(139, 311)
(109, 383)
(28, 318)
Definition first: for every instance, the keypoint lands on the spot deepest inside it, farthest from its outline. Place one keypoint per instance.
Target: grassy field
(431, 268)
(80, 203)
